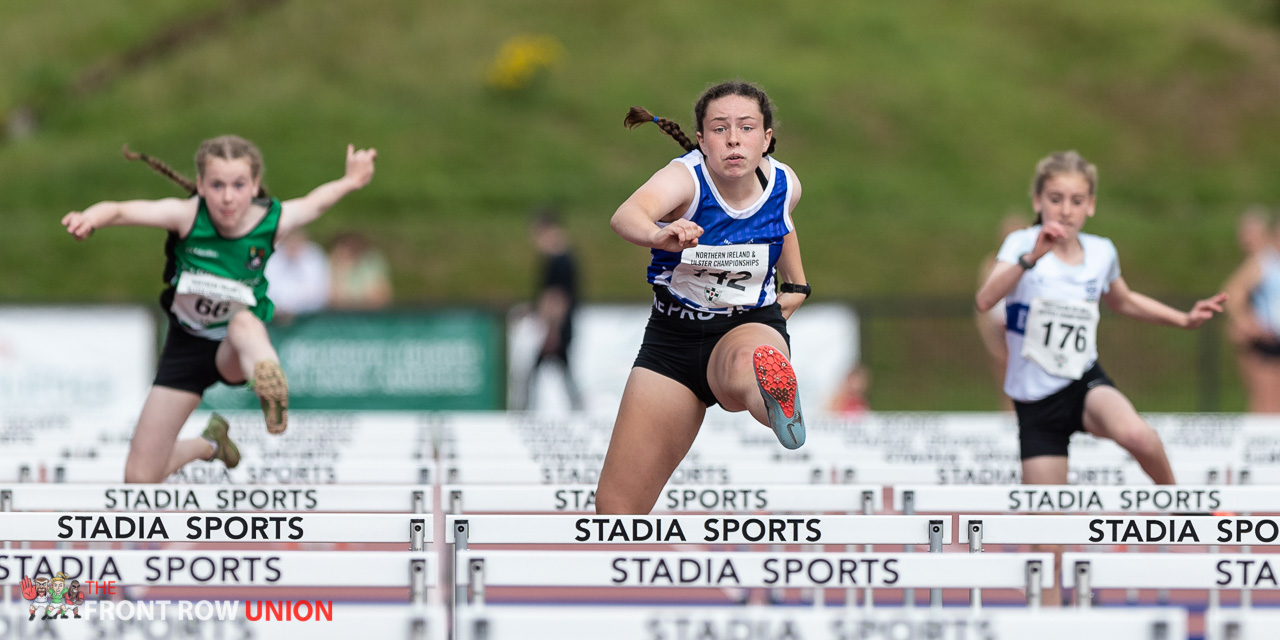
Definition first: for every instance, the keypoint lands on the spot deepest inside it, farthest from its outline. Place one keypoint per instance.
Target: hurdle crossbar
(415, 529)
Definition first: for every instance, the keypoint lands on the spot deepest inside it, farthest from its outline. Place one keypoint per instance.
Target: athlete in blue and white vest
(1052, 276)
(726, 275)
(734, 265)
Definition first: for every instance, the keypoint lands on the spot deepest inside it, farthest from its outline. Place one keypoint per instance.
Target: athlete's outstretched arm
(300, 212)
(1130, 303)
(668, 192)
(171, 214)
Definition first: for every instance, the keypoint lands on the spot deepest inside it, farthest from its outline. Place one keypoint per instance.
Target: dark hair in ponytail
(639, 115)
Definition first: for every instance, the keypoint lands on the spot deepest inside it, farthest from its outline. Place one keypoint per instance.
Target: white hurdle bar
(250, 471)
(478, 569)
(415, 529)
(234, 498)
(1208, 571)
(1119, 529)
(464, 530)
(1079, 499)
(229, 568)
(1080, 472)
(647, 623)
(697, 529)
(698, 473)
(798, 498)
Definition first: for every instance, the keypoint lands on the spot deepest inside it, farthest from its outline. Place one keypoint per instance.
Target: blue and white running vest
(734, 265)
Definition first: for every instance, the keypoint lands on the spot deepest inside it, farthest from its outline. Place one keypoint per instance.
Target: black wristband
(1022, 262)
(789, 287)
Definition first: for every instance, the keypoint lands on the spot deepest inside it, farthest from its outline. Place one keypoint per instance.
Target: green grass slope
(913, 126)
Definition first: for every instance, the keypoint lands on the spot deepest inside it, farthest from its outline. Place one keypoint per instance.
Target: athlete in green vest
(220, 239)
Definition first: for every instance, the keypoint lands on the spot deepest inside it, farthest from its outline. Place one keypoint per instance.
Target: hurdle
(1125, 529)
(479, 569)
(229, 568)
(355, 471)
(1079, 472)
(799, 498)
(647, 623)
(415, 529)
(1083, 498)
(523, 471)
(465, 530)
(1208, 571)
(234, 498)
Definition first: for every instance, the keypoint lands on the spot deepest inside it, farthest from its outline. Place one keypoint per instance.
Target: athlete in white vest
(1051, 277)
(726, 275)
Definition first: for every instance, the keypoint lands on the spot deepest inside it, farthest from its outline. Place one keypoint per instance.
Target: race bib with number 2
(722, 276)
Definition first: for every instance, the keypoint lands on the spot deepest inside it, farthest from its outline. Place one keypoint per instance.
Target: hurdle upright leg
(935, 546)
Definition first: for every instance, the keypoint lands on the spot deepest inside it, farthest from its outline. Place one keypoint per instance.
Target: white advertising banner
(97, 360)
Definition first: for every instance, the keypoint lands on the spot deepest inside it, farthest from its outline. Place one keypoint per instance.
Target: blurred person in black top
(557, 300)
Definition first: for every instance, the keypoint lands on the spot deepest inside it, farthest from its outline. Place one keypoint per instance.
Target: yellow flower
(520, 59)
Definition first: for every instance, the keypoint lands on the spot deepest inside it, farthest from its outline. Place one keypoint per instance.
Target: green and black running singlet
(211, 277)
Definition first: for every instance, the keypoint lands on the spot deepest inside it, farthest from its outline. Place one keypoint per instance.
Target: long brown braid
(639, 115)
(161, 168)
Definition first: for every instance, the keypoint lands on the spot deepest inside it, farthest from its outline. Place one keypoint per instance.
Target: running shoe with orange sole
(777, 381)
(269, 384)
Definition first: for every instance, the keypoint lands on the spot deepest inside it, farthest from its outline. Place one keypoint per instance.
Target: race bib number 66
(204, 299)
(1061, 336)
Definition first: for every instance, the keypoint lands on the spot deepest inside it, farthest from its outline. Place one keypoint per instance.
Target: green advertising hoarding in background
(442, 360)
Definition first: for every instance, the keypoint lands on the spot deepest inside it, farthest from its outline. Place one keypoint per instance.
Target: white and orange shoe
(777, 381)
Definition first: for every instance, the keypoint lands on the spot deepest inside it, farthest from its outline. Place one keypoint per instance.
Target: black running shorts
(678, 340)
(187, 362)
(1045, 426)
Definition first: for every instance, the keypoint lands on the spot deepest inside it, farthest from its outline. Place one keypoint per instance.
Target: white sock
(214, 444)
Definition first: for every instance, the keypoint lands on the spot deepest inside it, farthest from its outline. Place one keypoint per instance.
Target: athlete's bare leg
(1108, 414)
(1048, 470)
(658, 419)
(155, 451)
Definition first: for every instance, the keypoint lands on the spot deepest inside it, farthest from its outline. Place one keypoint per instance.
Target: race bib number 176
(1061, 335)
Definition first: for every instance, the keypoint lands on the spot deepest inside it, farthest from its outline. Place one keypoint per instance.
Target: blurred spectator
(991, 324)
(298, 275)
(556, 302)
(361, 276)
(850, 399)
(1253, 308)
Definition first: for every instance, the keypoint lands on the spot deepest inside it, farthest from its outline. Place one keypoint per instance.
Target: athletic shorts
(678, 340)
(1045, 426)
(187, 362)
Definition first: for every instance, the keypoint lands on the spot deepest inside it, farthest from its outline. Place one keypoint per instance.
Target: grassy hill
(913, 126)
